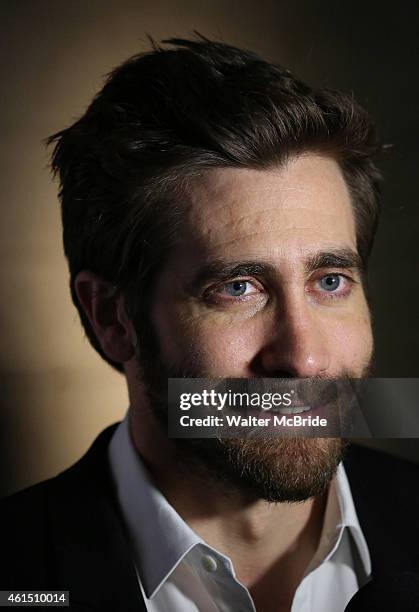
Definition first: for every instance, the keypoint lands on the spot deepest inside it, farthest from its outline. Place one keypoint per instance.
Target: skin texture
(291, 224)
(291, 327)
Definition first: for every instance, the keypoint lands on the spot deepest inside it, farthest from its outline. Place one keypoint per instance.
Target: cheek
(216, 345)
(226, 351)
(352, 344)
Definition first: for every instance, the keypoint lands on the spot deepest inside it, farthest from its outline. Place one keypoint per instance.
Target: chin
(273, 469)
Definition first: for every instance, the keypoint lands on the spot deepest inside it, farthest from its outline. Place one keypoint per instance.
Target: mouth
(314, 397)
(293, 410)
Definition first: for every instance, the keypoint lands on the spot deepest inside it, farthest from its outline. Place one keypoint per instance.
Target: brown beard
(272, 469)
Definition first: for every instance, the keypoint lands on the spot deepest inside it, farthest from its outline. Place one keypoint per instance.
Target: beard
(271, 469)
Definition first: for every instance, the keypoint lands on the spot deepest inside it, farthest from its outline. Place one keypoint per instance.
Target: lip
(289, 411)
(321, 410)
(294, 409)
(318, 410)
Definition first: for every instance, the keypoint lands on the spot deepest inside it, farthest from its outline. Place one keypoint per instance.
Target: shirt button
(209, 563)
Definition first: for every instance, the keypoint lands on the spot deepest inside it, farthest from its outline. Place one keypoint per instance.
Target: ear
(107, 315)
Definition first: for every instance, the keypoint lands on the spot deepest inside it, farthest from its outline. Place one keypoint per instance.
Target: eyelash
(339, 294)
(215, 292)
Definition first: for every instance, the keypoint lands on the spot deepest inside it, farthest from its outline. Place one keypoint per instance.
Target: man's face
(264, 281)
(259, 284)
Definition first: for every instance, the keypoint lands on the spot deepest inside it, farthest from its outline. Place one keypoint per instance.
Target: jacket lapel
(92, 556)
(92, 552)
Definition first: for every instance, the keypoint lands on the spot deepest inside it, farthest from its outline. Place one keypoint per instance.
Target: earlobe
(106, 313)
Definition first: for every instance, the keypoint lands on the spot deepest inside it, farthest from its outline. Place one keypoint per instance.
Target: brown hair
(164, 116)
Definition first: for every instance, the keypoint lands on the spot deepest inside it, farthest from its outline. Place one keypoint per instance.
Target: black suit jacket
(66, 533)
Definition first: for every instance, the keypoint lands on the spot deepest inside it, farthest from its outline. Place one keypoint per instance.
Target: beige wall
(56, 393)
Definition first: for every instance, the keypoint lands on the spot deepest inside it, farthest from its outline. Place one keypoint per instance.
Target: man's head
(218, 216)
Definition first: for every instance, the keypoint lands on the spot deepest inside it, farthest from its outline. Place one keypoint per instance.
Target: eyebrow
(344, 259)
(222, 270)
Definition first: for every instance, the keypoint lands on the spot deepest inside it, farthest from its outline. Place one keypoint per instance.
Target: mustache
(322, 390)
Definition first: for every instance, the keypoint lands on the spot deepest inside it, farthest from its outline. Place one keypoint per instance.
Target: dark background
(56, 394)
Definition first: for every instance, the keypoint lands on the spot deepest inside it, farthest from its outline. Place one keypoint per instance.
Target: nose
(296, 345)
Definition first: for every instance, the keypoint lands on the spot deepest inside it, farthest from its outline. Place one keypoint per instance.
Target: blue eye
(236, 288)
(331, 282)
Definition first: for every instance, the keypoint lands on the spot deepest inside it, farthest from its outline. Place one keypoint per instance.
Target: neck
(264, 540)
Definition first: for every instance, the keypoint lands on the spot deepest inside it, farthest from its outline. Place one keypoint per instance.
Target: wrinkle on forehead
(296, 207)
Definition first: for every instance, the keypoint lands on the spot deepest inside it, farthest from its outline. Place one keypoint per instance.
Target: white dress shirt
(179, 572)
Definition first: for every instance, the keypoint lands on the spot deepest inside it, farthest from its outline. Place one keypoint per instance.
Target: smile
(293, 409)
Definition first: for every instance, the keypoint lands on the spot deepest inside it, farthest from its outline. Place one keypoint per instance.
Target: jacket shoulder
(28, 520)
(24, 539)
(387, 477)
(386, 497)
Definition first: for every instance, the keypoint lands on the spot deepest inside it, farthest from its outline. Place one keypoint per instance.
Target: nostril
(259, 367)
(274, 362)
(281, 374)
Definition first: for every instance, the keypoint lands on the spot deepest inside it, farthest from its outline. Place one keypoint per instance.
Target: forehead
(281, 212)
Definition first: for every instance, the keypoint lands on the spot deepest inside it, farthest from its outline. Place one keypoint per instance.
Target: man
(218, 215)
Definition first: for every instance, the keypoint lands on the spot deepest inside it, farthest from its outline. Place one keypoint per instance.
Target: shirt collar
(349, 518)
(161, 539)
(340, 515)
(159, 536)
